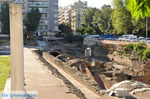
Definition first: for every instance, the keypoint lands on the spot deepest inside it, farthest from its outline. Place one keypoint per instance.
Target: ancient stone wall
(81, 77)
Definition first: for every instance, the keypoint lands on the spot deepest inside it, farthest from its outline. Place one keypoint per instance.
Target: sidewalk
(38, 78)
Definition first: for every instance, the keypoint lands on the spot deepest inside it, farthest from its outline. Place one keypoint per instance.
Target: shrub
(133, 58)
(69, 38)
(129, 48)
(74, 38)
(78, 38)
(146, 54)
(140, 48)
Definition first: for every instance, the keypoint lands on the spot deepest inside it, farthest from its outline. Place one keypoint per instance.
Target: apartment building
(77, 12)
(72, 14)
(49, 11)
(65, 15)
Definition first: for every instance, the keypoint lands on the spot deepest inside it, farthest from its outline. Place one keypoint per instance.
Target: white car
(142, 39)
(133, 39)
(147, 40)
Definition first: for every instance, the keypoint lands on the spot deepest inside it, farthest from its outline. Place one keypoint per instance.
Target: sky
(91, 3)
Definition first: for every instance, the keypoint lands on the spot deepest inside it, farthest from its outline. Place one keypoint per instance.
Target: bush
(146, 54)
(129, 48)
(69, 38)
(140, 48)
(133, 58)
(78, 38)
(74, 38)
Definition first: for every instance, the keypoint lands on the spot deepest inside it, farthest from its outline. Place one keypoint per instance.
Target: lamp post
(146, 27)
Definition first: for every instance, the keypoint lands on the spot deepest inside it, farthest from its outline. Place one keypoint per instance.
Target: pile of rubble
(133, 87)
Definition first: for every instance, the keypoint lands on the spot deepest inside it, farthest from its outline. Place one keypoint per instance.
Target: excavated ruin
(109, 68)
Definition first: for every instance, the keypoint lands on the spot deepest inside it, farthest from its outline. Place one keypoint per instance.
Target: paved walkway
(38, 78)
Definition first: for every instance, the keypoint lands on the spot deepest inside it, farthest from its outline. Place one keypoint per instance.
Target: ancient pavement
(37, 78)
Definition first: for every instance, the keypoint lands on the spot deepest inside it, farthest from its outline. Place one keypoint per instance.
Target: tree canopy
(96, 21)
(139, 8)
(4, 18)
(117, 20)
(33, 19)
(121, 18)
(65, 28)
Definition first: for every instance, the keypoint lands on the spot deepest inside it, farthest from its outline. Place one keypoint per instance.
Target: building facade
(49, 12)
(65, 15)
(77, 12)
(71, 14)
(47, 8)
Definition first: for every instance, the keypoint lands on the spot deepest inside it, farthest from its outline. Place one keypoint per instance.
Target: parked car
(127, 37)
(142, 39)
(134, 40)
(147, 40)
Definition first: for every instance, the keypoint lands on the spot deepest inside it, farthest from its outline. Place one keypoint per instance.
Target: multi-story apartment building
(77, 12)
(72, 14)
(49, 11)
(65, 15)
(61, 15)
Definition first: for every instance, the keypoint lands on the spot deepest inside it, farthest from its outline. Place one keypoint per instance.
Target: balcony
(38, 5)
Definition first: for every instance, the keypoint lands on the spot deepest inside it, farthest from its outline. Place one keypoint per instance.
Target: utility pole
(17, 57)
(146, 27)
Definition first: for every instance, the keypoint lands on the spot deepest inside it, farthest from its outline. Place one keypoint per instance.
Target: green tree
(87, 20)
(65, 29)
(81, 29)
(139, 8)
(89, 31)
(96, 22)
(33, 19)
(87, 17)
(102, 19)
(4, 15)
(121, 18)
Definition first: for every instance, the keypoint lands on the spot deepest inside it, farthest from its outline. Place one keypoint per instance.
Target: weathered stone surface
(129, 85)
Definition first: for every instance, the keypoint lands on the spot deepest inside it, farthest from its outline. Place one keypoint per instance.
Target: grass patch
(4, 71)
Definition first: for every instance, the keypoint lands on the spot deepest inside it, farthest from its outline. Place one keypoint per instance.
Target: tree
(87, 17)
(4, 15)
(65, 28)
(89, 31)
(96, 22)
(81, 29)
(33, 19)
(102, 19)
(139, 27)
(87, 20)
(121, 18)
(139, 8)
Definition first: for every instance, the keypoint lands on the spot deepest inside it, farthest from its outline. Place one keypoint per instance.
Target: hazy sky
(91, 3)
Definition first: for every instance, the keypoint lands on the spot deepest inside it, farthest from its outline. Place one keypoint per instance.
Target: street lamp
(146, 27)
